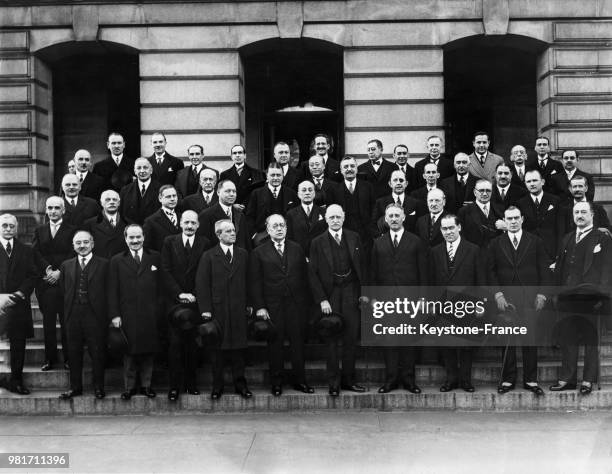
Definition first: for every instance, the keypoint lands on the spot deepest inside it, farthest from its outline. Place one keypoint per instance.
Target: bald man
(107, 227)
(92, 185)
(139, 199)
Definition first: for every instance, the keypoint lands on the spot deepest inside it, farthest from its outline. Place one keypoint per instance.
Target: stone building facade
(252, 72)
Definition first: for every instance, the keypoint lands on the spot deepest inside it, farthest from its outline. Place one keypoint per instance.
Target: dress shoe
(303, 387)
(70, 394)
(448, 386)
(173, 395)
(386, 388)
(586, 388)
(353, 388)
(536, 389)
(277, 390)
(99, 394)
(48, 365)
(467, 387)
(128, 394)
(216, 394)
(193, 391)
(560, 386)
(412, 388)
(505, 387)
(18, 389)
(148, 392)
(334, 391)
(244, 392)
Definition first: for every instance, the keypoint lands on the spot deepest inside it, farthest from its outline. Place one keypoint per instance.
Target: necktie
(432, 222)
(485, 209)
(143, 190)
(578, 236)
(451, 252)
(279, 249)
(542, 164)
(72, 203)
(482, 160)
(9, 249)
(81, 177)
(195, 173)
(503, 193)
(137, 258)
(515, 242)
(229, 213)
(462, 180)
(207, 198)
(159, 160)
(111, 221)
(83, 263)
(172, 218)
(521, 174)
(319, 185)
(398, 201)
(337, 238)
(350, 187)
(53, 230)
(275, 192)
(395, 241)
(537, 203)
(239, 170)
(228, 255)
(188, 246)
(308, 211)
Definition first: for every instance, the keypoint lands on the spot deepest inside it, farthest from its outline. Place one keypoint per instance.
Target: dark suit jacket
(19, 273)
(469, 267)
(133, 295)
(357, 219)
(179, 267)
(108, 240)
(272, 277)
(115, 177)
(97, 277)
(332, 169)
(302, 228)
(165, 173)
(157, 227)
(405, 265)
(477, 228)
(544, 223)
(553, 167)
(455, 196)
(560, 185)
(249, 180)
(53, 251)
(209, 216)
(196, 202)
(422, 230)
(597, 265)
(85, 209)
(513, 194)
(412, 208)
(92, 186)
(527, 268)
(221, 289)
(515, 177)
(378, 179)
(186, 183)
(134, 208)
(292, 178)
(320, 268)
(323, 196)
(261, 202)
(446, 168)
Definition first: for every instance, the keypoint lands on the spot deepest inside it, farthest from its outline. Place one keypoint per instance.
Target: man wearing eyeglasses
(480, 221)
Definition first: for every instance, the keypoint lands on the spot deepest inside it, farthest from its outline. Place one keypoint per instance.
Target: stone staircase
(46, 386)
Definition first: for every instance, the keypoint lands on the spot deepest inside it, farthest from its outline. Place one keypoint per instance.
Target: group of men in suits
(289, 239)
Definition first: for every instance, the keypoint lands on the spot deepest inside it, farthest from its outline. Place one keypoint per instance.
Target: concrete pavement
(317, 442)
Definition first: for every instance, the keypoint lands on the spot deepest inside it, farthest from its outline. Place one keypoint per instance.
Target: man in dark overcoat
(221, 294)
(133, 305)
(18, 276)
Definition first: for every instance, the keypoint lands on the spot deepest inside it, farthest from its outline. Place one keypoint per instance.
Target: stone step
(366, 373)
(484, 399)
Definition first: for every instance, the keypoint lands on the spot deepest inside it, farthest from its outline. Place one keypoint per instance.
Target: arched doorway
(293, 90)
(490, 84)
(95, 91)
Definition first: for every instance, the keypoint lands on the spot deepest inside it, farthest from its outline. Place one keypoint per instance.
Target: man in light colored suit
(483, 163)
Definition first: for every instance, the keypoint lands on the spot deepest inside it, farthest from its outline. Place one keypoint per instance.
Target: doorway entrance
(490, 85)
(293, 90)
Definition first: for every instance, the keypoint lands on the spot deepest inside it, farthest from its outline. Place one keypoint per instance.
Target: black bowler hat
(330, 325)
(210, 333)
(262, 330)
(120, 178)
(184, 316)
(117, 342)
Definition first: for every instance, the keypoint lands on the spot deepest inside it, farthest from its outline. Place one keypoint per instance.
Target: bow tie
(377, 162)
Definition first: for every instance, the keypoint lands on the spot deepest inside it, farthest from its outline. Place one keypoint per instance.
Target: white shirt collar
(57, 224)
(4, 242)
(117, 158)
(190, 239)
(570, 174)
(271, 188)
(225, 208)
(399, 234)
(538, 196)
(455, 244)
(400, 196)
(499, 188)
(146, 184)
(585, 231)
(115, 217)
(518, 235)
(354, 183)
(239, 167)
(76, 199)
(282, 243)
(225, 248)
(87, 258)
(334, 232)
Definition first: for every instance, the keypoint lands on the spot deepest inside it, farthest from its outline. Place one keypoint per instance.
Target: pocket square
(153, 268)
(413, 213)
(553, 172)
(597, 249)
(550, 207)
(320, 217)
(170, 169)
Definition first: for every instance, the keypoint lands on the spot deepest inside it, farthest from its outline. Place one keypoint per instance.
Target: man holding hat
(179, 261)
(132, 300)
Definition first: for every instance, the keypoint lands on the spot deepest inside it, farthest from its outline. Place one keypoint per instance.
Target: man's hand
(186, 298)
(52, 276)
(540, 301)
(263, 314)
(326, 307)
(501, 225)
(605, 231)
(16, 297)
(240, 207)
(207, 316)
(502, 304)
(116, 322)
